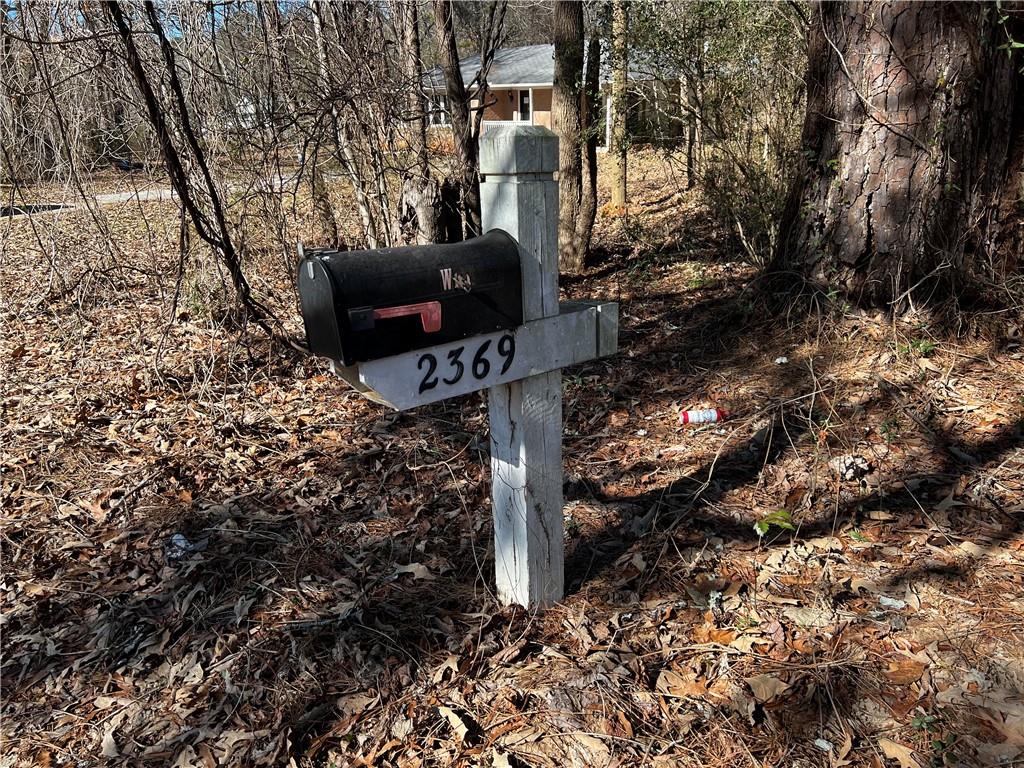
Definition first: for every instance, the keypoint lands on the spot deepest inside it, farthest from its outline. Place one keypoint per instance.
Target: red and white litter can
(705, 416)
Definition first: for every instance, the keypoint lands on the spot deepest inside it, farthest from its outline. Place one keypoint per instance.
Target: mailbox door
(319, 313)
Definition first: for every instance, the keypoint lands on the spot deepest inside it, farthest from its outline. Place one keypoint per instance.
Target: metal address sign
(584, 331)
(506, 347)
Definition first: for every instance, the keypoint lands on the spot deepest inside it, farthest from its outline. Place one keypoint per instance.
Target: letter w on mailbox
(366, 305)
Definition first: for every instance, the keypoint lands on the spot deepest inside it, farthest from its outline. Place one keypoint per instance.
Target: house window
(524, 106)
(437, 112)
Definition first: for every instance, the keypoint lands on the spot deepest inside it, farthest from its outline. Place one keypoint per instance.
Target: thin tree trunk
(691, 133)
(216, 233)
(420, 192)
(344, 150)
(567, 120)
(905, 182)
(462, 127)
(282, 87)
(279, 89)
(591, 119)
(620, 75)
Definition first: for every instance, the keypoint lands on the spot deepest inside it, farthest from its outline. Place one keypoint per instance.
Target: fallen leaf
(596, 749)
(401, 727)
(354, 703)
(108, 746)
(973, 550)
(887, 602)
(460, 728)
(901, 753)
(673, 684)
(451, 664)
(709, 633)
(418, 571)
(839, 758)
(904, 671)
(746, 643)
(880, 515)
(809, 617)
(766, 687)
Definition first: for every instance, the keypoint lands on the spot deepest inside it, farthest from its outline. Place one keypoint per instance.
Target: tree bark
(694, 102)
(620, 75)
(216, 233)
(343, 148)
(911, 145)
(281, 85)
(420, 193)
(591, 119)
(462, 126)
(567, 120)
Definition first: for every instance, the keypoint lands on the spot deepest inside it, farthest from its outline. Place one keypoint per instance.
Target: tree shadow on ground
(314, 604)
(259, 593)
(694, 502)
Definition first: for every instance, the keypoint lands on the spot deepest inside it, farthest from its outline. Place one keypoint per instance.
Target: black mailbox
(364, 305)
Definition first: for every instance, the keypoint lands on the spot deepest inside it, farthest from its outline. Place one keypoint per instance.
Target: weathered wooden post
(412, 326)
(519, 195)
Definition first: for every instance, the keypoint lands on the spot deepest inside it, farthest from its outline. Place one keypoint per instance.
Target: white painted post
(519, 195)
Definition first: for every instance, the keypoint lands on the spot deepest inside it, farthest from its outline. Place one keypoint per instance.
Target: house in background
(519, 85)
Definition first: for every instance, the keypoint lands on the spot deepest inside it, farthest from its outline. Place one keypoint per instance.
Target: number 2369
(479, 365)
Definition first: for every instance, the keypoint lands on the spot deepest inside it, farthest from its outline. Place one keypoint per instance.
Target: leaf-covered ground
(216, 554)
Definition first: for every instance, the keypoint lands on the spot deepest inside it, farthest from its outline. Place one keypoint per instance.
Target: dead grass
(216, 554)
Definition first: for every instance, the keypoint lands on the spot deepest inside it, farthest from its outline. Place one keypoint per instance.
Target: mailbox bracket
(582, 331)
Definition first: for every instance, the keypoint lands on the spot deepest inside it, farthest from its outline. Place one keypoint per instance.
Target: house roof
(527, 65)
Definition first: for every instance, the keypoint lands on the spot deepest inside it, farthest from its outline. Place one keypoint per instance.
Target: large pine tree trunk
(567, 120)
(914, 117)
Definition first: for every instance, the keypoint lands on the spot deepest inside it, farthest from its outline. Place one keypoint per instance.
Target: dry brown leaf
(108, 747)
(451, 664)
(627, 727)
(354, 703)
(595, 748)
(839, 758)
(709, 633)
(901, 753)
(904, 671)
(418, 571)
(974, 550)
(674, 684)
(747, 642)
(766, 687)
(456, 722)
(809, 617)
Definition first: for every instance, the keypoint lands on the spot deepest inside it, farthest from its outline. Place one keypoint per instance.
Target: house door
(525, 113)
